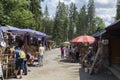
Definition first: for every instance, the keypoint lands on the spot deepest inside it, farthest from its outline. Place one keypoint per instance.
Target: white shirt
(41, 50)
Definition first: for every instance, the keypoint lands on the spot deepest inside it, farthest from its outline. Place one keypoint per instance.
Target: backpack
(22, 54)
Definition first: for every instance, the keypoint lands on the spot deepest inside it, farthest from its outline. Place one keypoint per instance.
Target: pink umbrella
(84, 39)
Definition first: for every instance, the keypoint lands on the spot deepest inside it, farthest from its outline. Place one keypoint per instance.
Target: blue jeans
(25, 69)
(40, 58)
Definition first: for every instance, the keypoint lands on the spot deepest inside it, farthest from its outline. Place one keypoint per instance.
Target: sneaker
(20, 77)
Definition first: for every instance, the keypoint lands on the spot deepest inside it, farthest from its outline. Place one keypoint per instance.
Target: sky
(106, 9)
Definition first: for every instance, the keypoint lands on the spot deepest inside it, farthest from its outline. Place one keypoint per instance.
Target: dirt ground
(57, 69)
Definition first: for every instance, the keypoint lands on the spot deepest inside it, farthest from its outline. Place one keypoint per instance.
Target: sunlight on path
(53, 69)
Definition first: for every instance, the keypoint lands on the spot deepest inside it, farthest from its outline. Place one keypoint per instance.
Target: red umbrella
(84, 39)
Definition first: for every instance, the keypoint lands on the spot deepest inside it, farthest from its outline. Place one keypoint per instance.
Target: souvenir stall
(31, 40)
(51, 44)
(113, 36)
(23, 37)
(107, 54)
(83, 41)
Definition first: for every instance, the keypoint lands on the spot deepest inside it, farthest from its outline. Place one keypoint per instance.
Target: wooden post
(94, 62)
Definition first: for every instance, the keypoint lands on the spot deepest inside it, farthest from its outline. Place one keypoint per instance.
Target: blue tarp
(37, 33)
(1, 34)
(8, 28)
(12, 29)
(32, 32)
(1, 29)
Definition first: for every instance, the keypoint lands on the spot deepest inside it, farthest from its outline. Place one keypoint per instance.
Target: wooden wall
(115, 51)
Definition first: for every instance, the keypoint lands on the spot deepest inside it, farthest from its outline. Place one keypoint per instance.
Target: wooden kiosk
(112, 34)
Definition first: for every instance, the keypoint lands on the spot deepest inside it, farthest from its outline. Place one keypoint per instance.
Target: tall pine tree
(118, 10)
(45, 19)
(35, 8)
(60, 26)
(82, 22)
(72, 18)
(91, 15)
(47, 22)
(1, 13)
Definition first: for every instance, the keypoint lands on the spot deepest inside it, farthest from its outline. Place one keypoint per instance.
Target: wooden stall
(7, 62)
(113, 35)
(111, 51)
(51, 44)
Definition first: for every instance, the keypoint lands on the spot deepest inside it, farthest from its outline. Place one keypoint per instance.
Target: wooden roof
(113, 30)
(114, 26)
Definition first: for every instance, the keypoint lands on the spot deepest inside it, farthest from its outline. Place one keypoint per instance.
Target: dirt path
(54, 69)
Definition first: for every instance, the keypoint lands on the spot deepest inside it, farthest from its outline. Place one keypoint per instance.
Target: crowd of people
(78, 53)
(86, 54)
(72, 53)
(22, 58)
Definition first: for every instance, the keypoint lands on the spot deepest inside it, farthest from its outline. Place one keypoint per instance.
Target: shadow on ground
(102, 75)
(67, 61)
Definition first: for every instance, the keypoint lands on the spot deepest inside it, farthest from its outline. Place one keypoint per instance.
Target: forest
(67, 23)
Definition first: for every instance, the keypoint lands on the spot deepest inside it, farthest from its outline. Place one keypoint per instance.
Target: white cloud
(108, 19)
(106, 9)
(102, 1)
(107, 15)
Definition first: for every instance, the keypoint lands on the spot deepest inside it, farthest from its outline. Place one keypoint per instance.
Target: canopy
(30, 31)
(0, 29)
(37, 33)
(12, 29)
(84, 39)
(9, 28)
(1, 34)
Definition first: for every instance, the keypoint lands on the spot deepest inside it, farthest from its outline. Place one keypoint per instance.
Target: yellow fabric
(22, 54)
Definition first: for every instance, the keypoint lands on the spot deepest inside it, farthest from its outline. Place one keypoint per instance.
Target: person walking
(40, 54)
(62, 52)
(22, 56)
(17, 61)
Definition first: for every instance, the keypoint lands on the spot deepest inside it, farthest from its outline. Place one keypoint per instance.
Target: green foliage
(22, 18)
(1, 12)
(18, 13)
(99, 24)
(35, 8)
(10, 5)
